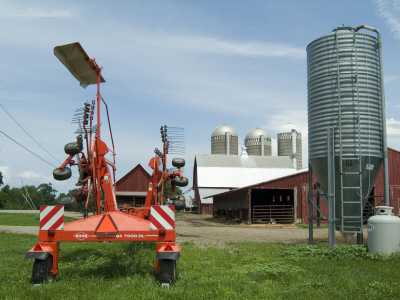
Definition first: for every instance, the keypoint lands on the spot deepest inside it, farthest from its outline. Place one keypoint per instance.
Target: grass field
(23, 219)
(240, 271)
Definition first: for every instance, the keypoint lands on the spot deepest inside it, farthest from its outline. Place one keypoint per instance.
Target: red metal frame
(111, 225)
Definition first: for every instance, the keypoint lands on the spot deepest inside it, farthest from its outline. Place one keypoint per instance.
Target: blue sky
(191, 64)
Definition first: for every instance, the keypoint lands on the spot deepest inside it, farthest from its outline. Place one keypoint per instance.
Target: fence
(273, 214)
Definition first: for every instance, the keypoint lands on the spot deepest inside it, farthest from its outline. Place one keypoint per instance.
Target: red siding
(136, 180)
(299, 181)
(206, 209)
(394, 181)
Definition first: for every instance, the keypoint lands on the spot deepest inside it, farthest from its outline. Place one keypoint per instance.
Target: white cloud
(33, 13)
(224, 47)
(30, 175)
(22, 10)
(213, 45)
(5, 171)
(392, 127)
(389, 79)
(389, 10)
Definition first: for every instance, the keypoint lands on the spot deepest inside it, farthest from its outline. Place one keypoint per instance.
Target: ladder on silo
(351, 209)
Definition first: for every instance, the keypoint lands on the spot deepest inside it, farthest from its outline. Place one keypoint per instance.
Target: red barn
(285, 199)
(132, 188)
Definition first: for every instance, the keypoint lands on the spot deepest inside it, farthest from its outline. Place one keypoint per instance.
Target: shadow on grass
(109, 260)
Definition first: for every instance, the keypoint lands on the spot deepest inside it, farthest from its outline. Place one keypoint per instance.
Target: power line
(28, 149)
(20, 126)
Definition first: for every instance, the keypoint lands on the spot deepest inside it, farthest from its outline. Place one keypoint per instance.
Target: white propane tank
(384, 231)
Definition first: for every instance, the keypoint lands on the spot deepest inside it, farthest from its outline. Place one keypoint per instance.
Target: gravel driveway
(204, 231)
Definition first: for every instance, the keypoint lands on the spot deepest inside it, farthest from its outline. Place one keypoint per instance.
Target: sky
(190, 64)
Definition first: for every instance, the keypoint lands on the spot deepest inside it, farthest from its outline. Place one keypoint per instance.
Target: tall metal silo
(224, 140)
(289, 144)
(258, 142)
(346, 120)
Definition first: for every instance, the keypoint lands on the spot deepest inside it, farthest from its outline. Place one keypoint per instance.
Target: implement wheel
(41, 270)
(179, 204)
(167, 271)
(72, 148)
(178, 162)
(181, 181)
(62, 174)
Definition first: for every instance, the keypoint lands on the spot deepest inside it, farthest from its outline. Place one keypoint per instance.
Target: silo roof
(220, 130)
(288, 128)
(255, 134)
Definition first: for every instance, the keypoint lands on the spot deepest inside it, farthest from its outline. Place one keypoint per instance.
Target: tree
(1, 179)
(23, 197)
(177, 190)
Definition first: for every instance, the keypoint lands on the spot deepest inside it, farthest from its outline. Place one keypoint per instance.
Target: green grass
(301, 225)
(20, 219)
(126, 270)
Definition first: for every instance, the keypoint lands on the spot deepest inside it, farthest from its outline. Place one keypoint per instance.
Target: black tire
(180, 204)
(181, 181)
(167, 271)
(67, 200)
(62, 174)
(41, 270)
(72, 148)
(178, 162)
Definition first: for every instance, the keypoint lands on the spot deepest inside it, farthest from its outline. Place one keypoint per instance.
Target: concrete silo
(258, 142)
(289, 144)
(346, 120)
(224, 140)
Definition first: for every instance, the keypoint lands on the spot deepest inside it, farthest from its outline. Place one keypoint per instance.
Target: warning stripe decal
(162, 217)
(52, 217)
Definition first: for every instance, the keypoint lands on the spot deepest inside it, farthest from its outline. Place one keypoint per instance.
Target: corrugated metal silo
(224, 140)
(289, 144)
(258, 142)
(345, 99)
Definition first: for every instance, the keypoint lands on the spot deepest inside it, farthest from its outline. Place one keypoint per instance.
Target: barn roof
(233, 171)
(231, 161)
(220, 192)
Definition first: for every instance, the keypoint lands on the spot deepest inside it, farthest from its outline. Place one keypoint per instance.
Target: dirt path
(204, 231)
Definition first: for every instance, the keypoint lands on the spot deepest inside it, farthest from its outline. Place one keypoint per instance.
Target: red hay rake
(153, 222)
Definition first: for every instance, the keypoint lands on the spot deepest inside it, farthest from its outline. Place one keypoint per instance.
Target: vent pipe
(227, 142)
(294, 140)
(262, 142)
(384, 137)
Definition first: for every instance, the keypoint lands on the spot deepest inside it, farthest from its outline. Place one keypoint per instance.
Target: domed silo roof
(288, 128)
(224, 140)
(257, 145)
(255, 134)
(221, 130)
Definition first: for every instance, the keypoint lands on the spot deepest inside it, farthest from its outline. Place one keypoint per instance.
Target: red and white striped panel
(52, 217)
(162, 217)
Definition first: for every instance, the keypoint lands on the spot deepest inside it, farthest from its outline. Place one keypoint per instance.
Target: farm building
(285, 199)
(132, 188)
(217, 173)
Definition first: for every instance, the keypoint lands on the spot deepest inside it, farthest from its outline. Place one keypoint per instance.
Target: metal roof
(255, 185)
(231, 171)
(256, 133)
(220, 130)
(206, 192)
(232, 161)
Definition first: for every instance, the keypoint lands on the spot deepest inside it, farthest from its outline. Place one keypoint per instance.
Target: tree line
(32, 197)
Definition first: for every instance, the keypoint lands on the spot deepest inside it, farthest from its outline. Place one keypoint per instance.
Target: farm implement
(109, 223)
